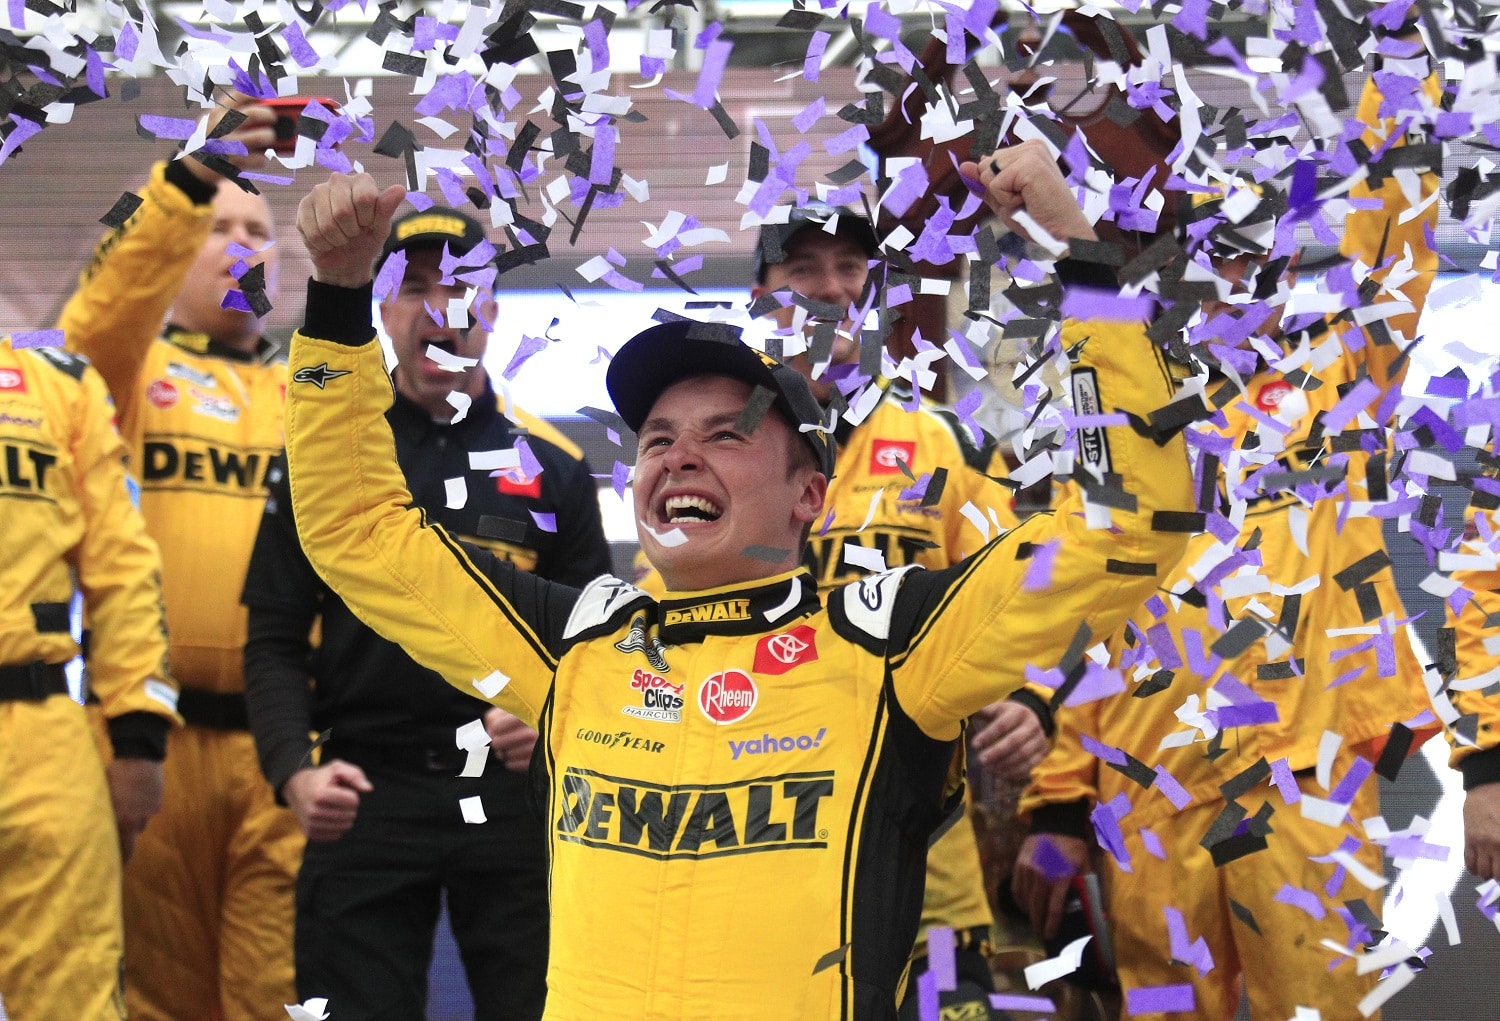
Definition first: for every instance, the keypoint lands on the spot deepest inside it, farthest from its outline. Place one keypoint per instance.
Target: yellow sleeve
(972, 630)
(1365, 232)
(409, 581)
(136, 272)
(119, 571)
(1478, 668)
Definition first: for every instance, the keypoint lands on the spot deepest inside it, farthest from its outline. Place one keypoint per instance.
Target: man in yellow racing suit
(909, 486)
(208, 895)
(69, 515)
(738, 826)
(1274, 671)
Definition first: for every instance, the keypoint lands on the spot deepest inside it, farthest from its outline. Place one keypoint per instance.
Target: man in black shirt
(382, 810)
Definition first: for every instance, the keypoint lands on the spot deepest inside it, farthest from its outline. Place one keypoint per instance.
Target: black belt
(32, 682)
(213, 710)
(417, 758)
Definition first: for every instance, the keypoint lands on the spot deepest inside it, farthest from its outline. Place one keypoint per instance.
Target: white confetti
(489, 687)
(1065, 963)
(671, 538)
(457, 493)
(474, 739)
(315, 1009)
(472, 809)
(717, 174)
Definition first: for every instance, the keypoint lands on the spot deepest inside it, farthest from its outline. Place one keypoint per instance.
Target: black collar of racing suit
(482, 410)
(202, 344)
(752, 608)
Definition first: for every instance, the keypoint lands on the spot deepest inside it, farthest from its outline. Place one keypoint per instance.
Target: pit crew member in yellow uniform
(69, 515)
(759, 852)
(208, 895)
(1276, 674)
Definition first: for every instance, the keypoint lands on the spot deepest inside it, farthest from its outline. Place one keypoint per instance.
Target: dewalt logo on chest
(186, 463)
(706, 613)
(25, 469)
(774, 813)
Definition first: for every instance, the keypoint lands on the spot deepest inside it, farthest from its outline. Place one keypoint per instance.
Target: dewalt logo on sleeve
(24, 468)
(774, 813)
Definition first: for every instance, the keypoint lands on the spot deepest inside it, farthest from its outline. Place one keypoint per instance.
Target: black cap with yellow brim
(668, 353)
(433, 228)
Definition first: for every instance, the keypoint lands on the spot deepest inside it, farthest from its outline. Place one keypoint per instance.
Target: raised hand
(257, 132)
(344, 222)
(1025, 178)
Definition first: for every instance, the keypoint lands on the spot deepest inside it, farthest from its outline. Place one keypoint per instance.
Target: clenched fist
(344, 222)
(1025, 178)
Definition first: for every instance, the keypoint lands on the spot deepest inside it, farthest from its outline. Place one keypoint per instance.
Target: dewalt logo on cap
(435, 223)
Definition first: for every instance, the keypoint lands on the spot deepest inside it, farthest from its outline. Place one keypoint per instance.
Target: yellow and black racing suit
(738, 822)
(208, 892)
(69, 525)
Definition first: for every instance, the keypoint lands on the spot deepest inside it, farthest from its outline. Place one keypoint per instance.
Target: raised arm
(472, 620)
(138, 269)
(962, 637)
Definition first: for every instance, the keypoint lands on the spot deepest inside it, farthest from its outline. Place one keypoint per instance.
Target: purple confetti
(1103, 752)
(813, 62)
(528, 347)
(809, 115)
(927, 997)
(546, 522)
(298, 46)
(1050, 862)
(37, 338)
(620, 478)
(706, 94)
(236, 300)
(1159, 999)
(1152, 843)
(388, 280)
(601, 168)
(1039, 569)
(1016, 1001)
(1299, 898)
(1195, 952)
(940, 947)
(1098, 682)
(597, 37)
(908, 188)
(1349, 786)
(1352, 403)
(1285, 782)
(1088, 303)
(1173, 791)
(530, 466)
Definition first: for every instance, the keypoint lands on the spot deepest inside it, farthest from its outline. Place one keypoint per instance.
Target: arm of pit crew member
(1404, 189)
(119, 573)
(138, 269)
(325, 799)
(511, 740)
(1055, 806)
(475, 621)
(285, 598)
(962, 637)
(1472, 697)
(1010, 737)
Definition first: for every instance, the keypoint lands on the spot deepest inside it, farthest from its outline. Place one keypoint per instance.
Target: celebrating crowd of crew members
(767, 734)
(386, 838)
(1182, 859)
(71, 525)
(886, 453)
(208, 893)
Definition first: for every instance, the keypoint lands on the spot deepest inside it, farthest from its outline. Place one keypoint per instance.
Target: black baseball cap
(774, 237)
(668, 353)
(433, 227)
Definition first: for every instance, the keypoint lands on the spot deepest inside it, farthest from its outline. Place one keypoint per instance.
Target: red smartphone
(288, 112)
